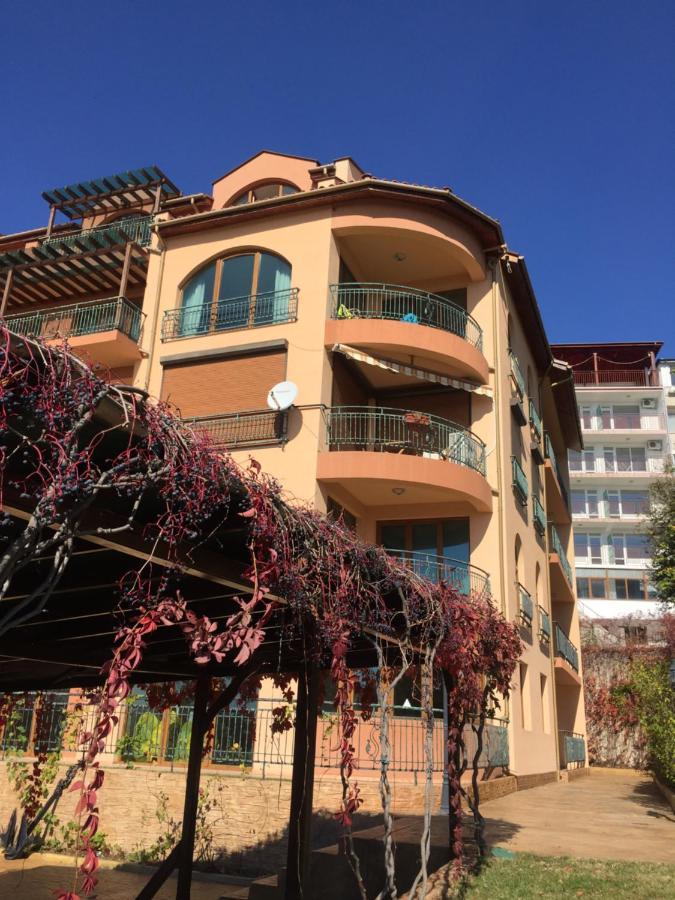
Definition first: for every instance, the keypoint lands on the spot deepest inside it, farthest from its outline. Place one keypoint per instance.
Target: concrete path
(609, 814)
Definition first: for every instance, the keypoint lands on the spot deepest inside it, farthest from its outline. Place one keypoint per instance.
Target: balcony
(562, 578)
(402, 322)
(233, 431)
(629, 424)
(544, 626)
(519, 482)
(557, 499)
(615, 378)
(135, 230)
(537, 434)
(538, 516)
(525, 606)
(517, 389)
(652, 465)
(572, 749)
(387, 456)
(233, 314)
(467, 579)
(108, 330)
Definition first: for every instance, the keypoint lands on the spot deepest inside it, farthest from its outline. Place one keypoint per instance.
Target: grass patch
(528, 876)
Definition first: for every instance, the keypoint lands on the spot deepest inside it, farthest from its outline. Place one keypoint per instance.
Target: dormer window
(267, 191)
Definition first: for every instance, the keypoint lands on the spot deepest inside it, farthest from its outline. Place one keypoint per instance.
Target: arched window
(242, 291)
(267, 191)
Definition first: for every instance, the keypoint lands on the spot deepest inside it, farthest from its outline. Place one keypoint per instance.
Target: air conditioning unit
(655, 445)
(649, 403)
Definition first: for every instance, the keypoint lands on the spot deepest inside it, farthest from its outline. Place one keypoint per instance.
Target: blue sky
(557, 119)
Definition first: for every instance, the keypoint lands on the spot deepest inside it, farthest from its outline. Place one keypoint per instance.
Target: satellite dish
(282, 395)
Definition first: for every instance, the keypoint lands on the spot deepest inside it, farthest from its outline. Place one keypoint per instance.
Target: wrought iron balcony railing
(538, 515)
(557, 547)
(403, 431)
(244, 429)
(465, 578)
(550, 455)
(517, 375)
(525, 605)
(615, 378)
(116, 314)
(565, 648)
(370, 300)
(572, 748)
(253, 311)
(535, 422)
(135, 229)
(544, 625)
(519, 482)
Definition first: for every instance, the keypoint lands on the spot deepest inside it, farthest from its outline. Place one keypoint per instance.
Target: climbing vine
(72, 445)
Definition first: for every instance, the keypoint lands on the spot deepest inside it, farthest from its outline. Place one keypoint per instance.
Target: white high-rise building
(624, 394)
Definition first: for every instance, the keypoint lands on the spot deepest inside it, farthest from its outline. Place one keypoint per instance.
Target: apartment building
(428, 408)
(623, 393)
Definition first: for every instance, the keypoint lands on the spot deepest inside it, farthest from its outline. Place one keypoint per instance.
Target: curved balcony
(465, 578)
(396, 320)
(387, 456)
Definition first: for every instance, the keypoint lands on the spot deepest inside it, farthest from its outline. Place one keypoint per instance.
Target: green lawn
(527, 876)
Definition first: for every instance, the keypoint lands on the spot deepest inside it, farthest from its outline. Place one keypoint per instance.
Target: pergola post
(194, 768)
(6, 292)
(124, 278)
(50, 223)
(302, 786)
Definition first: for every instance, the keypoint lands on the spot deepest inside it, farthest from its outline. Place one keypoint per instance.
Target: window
(424, 542)
(585, 504)
(243, 291)
(630, 548)
(581, 462)
(591, 588)
(612, 417)
(629, 589)
(267, 191)
(586, 417)
(587, 548)
(634, 503)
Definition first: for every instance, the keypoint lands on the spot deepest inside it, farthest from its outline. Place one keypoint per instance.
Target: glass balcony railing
(519, 481)
(116, 314)
(538, 516)
(535, 422)
(525, 605)
(135, 229)
(544, 625)
(244, 429)
(565, 648)
(517, 375)
(233, 314)
(572, 748)
(557, 547)
(403, 304)
(403, 431)
(549, 452)
(465, 578)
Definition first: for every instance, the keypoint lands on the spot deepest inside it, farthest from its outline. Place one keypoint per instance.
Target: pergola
(65, 643)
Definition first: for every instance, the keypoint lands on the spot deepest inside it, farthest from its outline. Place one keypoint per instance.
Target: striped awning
(402, 369)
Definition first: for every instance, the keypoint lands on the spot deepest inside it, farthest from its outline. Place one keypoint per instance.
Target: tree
(661, 527)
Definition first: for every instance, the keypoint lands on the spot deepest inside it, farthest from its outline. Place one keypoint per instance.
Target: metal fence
(402, 431)
(250, 311)
(371, 300)
(525, 605)
(519, 481)
(535, 422)
(544, 625)
(465, 578)
(244, 429)
(244, 737)
(134, 229)
(613, 378)
(114, 314)
(516, 374)
(565, 648)
(538, 515)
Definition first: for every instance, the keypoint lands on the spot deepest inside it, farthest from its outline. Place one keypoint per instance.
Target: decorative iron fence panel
(370, 300)
(233, 314)
(116, 314)
(465, 578)
(572, 748)
(402, 431)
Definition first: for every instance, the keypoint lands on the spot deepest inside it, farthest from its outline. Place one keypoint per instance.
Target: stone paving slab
(611, 814)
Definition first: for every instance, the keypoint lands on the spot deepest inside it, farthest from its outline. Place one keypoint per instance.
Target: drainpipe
(161, 246)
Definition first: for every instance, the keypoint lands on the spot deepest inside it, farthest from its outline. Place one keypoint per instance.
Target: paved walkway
(609, 814)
